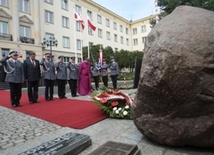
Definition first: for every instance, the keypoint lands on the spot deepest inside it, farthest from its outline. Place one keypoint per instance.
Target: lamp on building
(51, 41)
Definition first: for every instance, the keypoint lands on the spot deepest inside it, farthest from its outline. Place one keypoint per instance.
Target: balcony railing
(4, 36)
(27, 40)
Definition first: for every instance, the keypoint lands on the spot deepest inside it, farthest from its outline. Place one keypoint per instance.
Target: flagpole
(75, 37)
(88, 42)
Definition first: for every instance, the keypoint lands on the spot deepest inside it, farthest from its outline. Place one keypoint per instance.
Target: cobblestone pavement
(20, 132)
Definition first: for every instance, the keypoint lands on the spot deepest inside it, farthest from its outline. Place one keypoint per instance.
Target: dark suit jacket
(32, 73)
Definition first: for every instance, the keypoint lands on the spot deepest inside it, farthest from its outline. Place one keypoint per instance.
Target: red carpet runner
(64, 112)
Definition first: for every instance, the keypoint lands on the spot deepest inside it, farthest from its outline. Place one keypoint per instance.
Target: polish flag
(78, 18)
(91, 24)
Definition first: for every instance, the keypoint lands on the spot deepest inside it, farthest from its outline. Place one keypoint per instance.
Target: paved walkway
(20, 132)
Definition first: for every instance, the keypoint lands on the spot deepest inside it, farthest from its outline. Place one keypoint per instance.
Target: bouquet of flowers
(115, 103)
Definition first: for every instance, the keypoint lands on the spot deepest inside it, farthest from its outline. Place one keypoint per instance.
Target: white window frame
(90, 30)
(143, 28)
(4, 27)
(143, 40)
(134, 31)
(127, 41)
(49, 17)
(78, 44)
(78, 26)
(65, 4)
(121, 40)
(100, 33)
(66, 42)
(107, 22)
(24, 6)
(121, 28)
(78, 9)
(115, 25)
(135, 41)
(108, 35)
(3, 2)
(127, 30)
(48, 35)
(49, 1)
(99, 19)
(24, 31)
(65, 22)
(115, 38)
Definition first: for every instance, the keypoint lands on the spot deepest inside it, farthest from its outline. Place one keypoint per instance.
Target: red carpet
(64, 112)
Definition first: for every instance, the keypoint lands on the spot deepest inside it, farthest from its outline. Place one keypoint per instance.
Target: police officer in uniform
(49, 76)
(95, 74)
(104, 72)
(15, 76)
(114, 72)
(61, 76)
(73, 76)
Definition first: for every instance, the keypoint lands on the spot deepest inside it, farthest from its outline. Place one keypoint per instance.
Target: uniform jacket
(61, 69)
(32, 73)
(74, 71)
(104, 70)
(114, 68)
(15, 72)
(94, 71)
(48, 70)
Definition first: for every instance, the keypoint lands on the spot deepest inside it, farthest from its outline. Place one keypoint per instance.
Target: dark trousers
(73, 86)
(61, 88)
(96, 81)
(15, 93)
(114, 81)
(49, 85)
(105, 81)
(32, 89)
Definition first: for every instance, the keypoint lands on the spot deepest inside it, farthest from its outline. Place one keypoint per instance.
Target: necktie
(15, 62)
(33, 63)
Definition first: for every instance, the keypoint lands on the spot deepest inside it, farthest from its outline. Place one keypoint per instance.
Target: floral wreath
(115, 103)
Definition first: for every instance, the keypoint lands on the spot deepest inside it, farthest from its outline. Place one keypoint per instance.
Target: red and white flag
(101, 56)
(91, 24)
(78, 18)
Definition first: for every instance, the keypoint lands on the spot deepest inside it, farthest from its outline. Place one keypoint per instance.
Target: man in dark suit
(32, 75)
(15, 76)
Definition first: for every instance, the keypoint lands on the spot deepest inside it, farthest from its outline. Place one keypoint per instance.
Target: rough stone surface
(174, 104)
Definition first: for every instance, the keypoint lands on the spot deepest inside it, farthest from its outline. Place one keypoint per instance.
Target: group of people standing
(78, 76)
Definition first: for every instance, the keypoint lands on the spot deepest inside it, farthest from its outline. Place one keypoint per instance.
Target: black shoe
(64, 97)
(14, 106)
(47, 99)
(36, 101)
(18, 105)
(31, 102)
(61, 97)
(51, 99)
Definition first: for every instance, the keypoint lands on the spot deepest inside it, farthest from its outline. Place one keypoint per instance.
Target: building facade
(24, 24)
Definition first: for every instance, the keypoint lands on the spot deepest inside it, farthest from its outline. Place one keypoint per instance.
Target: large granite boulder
(174, 104)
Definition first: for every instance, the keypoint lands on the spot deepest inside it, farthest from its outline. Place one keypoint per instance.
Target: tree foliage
(125, 58)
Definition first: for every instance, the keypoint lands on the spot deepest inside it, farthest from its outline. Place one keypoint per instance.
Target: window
(121, 28)
(135, 41)
(108, 35)
(65, 4)
(27, 53)
(127, 41)
(99, 19)
(115, 37)
(78, 44)
(143, 28)
(49, 1)
(3, 2)
(121, 40)
(48, 16)
(24, 6)
(66, 42)
(134, 31)
(100, 33)
(3, 27)
(65, 22)
(78, 26)
(78, 9)
(115, 25)
(48, 35)
(89, 30)
(115, 49)
(127, 31)
(143, 40)
(5, 52)
(66, 59)
(89, 13)
(107, 23)
(24, 31)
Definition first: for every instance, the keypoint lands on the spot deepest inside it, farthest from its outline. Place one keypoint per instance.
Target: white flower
(117, 112)
(125, 113)
(120, 109)
(115, 108)
(127, 107)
